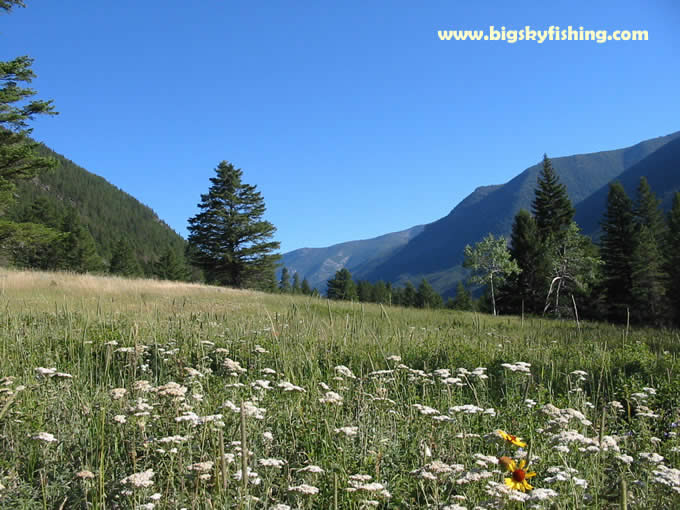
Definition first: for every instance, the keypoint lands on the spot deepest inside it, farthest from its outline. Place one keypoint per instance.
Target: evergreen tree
(123, 261)
(427, 297)
(647, 265)
(30, 245)
(364, 291)
(18, 158)
(526, 249)
(647, 277)
(409, 296)
(78, 248)
(284, 282)
(551, 206)
(44, 212)
(380, 293)
(462, 300)
(305, 288)
(231, 240)
(617, 246)
(341, 286)
(491, 263)
(170, 267)
(672, 258)
(296, 284)
(647, 210)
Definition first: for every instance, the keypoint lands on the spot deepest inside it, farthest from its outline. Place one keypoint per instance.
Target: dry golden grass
(17, 281)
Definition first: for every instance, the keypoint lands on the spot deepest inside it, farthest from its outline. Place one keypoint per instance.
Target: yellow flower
(511, 439)
(518, 479)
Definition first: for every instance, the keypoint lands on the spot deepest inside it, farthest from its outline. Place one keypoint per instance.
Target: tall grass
(426, 438)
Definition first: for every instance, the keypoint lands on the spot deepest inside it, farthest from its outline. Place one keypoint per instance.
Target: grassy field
(139, 394)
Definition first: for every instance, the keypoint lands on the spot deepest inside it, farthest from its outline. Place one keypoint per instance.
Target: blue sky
(352, 118)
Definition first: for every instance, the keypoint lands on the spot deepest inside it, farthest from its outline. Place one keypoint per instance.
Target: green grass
(71, 323)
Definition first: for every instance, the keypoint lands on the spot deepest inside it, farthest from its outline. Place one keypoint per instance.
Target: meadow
(122, 393)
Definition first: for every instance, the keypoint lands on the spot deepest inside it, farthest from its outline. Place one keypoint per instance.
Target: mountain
(318, 265)
(662, 170)
(437, 252)
(108, 212)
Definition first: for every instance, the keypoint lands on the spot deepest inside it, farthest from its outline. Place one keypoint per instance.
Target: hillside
(108, 212)
(662, 170)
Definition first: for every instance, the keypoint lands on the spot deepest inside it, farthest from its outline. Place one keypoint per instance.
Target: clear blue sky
(352, 118)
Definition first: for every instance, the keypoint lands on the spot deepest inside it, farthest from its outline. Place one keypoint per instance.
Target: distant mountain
(662, 170)
(437, 252)
(108, 212)
(318, 265)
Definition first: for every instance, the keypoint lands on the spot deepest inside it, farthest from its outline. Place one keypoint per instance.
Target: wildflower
(288, 386)
(312, 469)
(275, 463)
(331, 398)
(85, 475)
(45, 436)
(138, 480)
(518, 480)
(201, 467)
(120, 418)
(344, 371)
(304, 489)
(118, 393)
(348, 431)
(511, 439)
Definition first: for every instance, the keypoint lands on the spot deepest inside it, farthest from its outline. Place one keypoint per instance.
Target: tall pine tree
(284, 282)
(529, 286)
(341, 286)
(672, 258)
(552, 208)
(647, 267)
(18, 157)
(231, 242)
(617, 247)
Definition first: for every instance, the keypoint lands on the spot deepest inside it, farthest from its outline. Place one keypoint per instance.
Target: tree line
(550, 268)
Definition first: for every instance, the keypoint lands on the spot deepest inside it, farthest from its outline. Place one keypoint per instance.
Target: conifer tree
(123, 261)
(231, 241)
(305, 288)
(672, 258)
(380, 293)
(552, 207)
(78, 248)
(284, 282)
(296, 284)
(462, 299)
(529, 285)
(170, 266)
(617, 246)
(647, 266)
(427, 297)
(409, 295)
(647, 277)
(341, 286)
(18, 158)
(364, 291)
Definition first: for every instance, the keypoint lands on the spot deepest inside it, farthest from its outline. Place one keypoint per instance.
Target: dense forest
(75, 220)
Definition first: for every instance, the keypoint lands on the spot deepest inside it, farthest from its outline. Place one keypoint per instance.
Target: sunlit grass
(143, 386)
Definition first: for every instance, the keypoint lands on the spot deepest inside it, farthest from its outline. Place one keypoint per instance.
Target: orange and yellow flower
(511, 439)
(518, 479)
